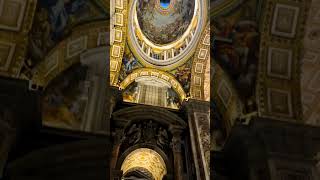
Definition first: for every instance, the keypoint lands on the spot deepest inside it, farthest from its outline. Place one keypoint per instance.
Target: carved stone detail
(148, 132)
(176, 143)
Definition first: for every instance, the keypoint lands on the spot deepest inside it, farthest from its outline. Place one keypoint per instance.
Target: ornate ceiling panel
(118, 36)
(15, 23)
(68, 51)
(200, 77)
(54, 21)
(280, 54)
(23, 46)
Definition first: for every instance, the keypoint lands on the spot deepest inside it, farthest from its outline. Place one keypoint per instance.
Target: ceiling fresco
(168, 58)
(15, 23)
(64, 101)
(54, 21)
(129, 63)
(181, 73)
(163, 26)
(45, 41)
(236, 45)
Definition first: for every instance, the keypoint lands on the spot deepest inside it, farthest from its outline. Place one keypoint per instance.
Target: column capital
(176, 130)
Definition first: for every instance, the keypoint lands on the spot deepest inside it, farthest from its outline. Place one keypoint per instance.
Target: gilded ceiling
(38, 42)
(163, 26)
(178, 62)
(54, 21)
(36, 28)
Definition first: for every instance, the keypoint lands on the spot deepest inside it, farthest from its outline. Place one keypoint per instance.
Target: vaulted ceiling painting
(159, 55)
(255, 68)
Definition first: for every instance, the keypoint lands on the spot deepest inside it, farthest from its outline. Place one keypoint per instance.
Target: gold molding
(203, 6)
(18, 36)
(272, 38)
(119, 33)
(200, 60)
(150, 72)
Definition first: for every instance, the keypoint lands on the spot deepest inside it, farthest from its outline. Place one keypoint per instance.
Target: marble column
(199, 127)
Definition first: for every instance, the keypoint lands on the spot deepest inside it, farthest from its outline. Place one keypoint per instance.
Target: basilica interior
(160, 89)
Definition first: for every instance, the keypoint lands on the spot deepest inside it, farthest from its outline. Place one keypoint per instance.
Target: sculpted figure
(162, 137)
(134, 133)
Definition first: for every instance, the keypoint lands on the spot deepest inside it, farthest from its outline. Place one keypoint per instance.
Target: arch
(147, 159)
(143, 112)
(129, 116)
(168, 165)
(154, 73)
(61, 57)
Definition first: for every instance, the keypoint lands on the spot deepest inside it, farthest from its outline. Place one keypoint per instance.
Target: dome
(164, 21)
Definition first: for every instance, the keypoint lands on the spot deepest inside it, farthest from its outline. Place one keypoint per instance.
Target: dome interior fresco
(163, 26)
(161, 47)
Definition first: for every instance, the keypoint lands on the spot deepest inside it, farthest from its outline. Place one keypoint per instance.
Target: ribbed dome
(164, 21)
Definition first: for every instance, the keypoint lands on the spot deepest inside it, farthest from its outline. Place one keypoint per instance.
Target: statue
(176, 143)
(134, 133)
(162, 137)
(149, 132)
